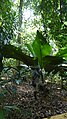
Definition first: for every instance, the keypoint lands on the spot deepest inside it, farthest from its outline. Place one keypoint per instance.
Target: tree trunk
(20, 25)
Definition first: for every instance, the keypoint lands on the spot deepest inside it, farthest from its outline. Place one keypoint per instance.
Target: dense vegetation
(33, 54)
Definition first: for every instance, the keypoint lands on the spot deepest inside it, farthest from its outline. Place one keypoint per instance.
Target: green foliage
(39, 48)
(7, 21)
(30, 48)
(53, 17)
(51, 63)
(2, 116)
(54, 25)
(4, 111)
(63, 53)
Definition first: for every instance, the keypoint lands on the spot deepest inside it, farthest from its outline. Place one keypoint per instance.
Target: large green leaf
(41, 47)
(37, 49)
(51, 63)
(53, 60)
(46, 49)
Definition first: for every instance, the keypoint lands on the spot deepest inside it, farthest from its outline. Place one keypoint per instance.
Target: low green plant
(5, 109)
(40, 49)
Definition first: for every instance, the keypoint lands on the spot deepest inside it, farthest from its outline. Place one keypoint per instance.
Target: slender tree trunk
(20, 25)
(20, 21)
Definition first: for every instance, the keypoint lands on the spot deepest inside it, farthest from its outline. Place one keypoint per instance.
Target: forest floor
(45, 105)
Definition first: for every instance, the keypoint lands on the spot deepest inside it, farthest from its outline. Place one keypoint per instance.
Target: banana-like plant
(41, 54)
(41, 50)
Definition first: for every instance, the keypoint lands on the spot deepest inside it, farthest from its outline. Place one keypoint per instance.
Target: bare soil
(45, 105)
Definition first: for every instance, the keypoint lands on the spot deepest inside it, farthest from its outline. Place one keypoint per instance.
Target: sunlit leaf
(37, 49)
(31, 49)
(46, 49)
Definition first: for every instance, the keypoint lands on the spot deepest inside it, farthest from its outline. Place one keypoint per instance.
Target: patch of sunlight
(61, 116)
(65, 22)
(28, 14)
